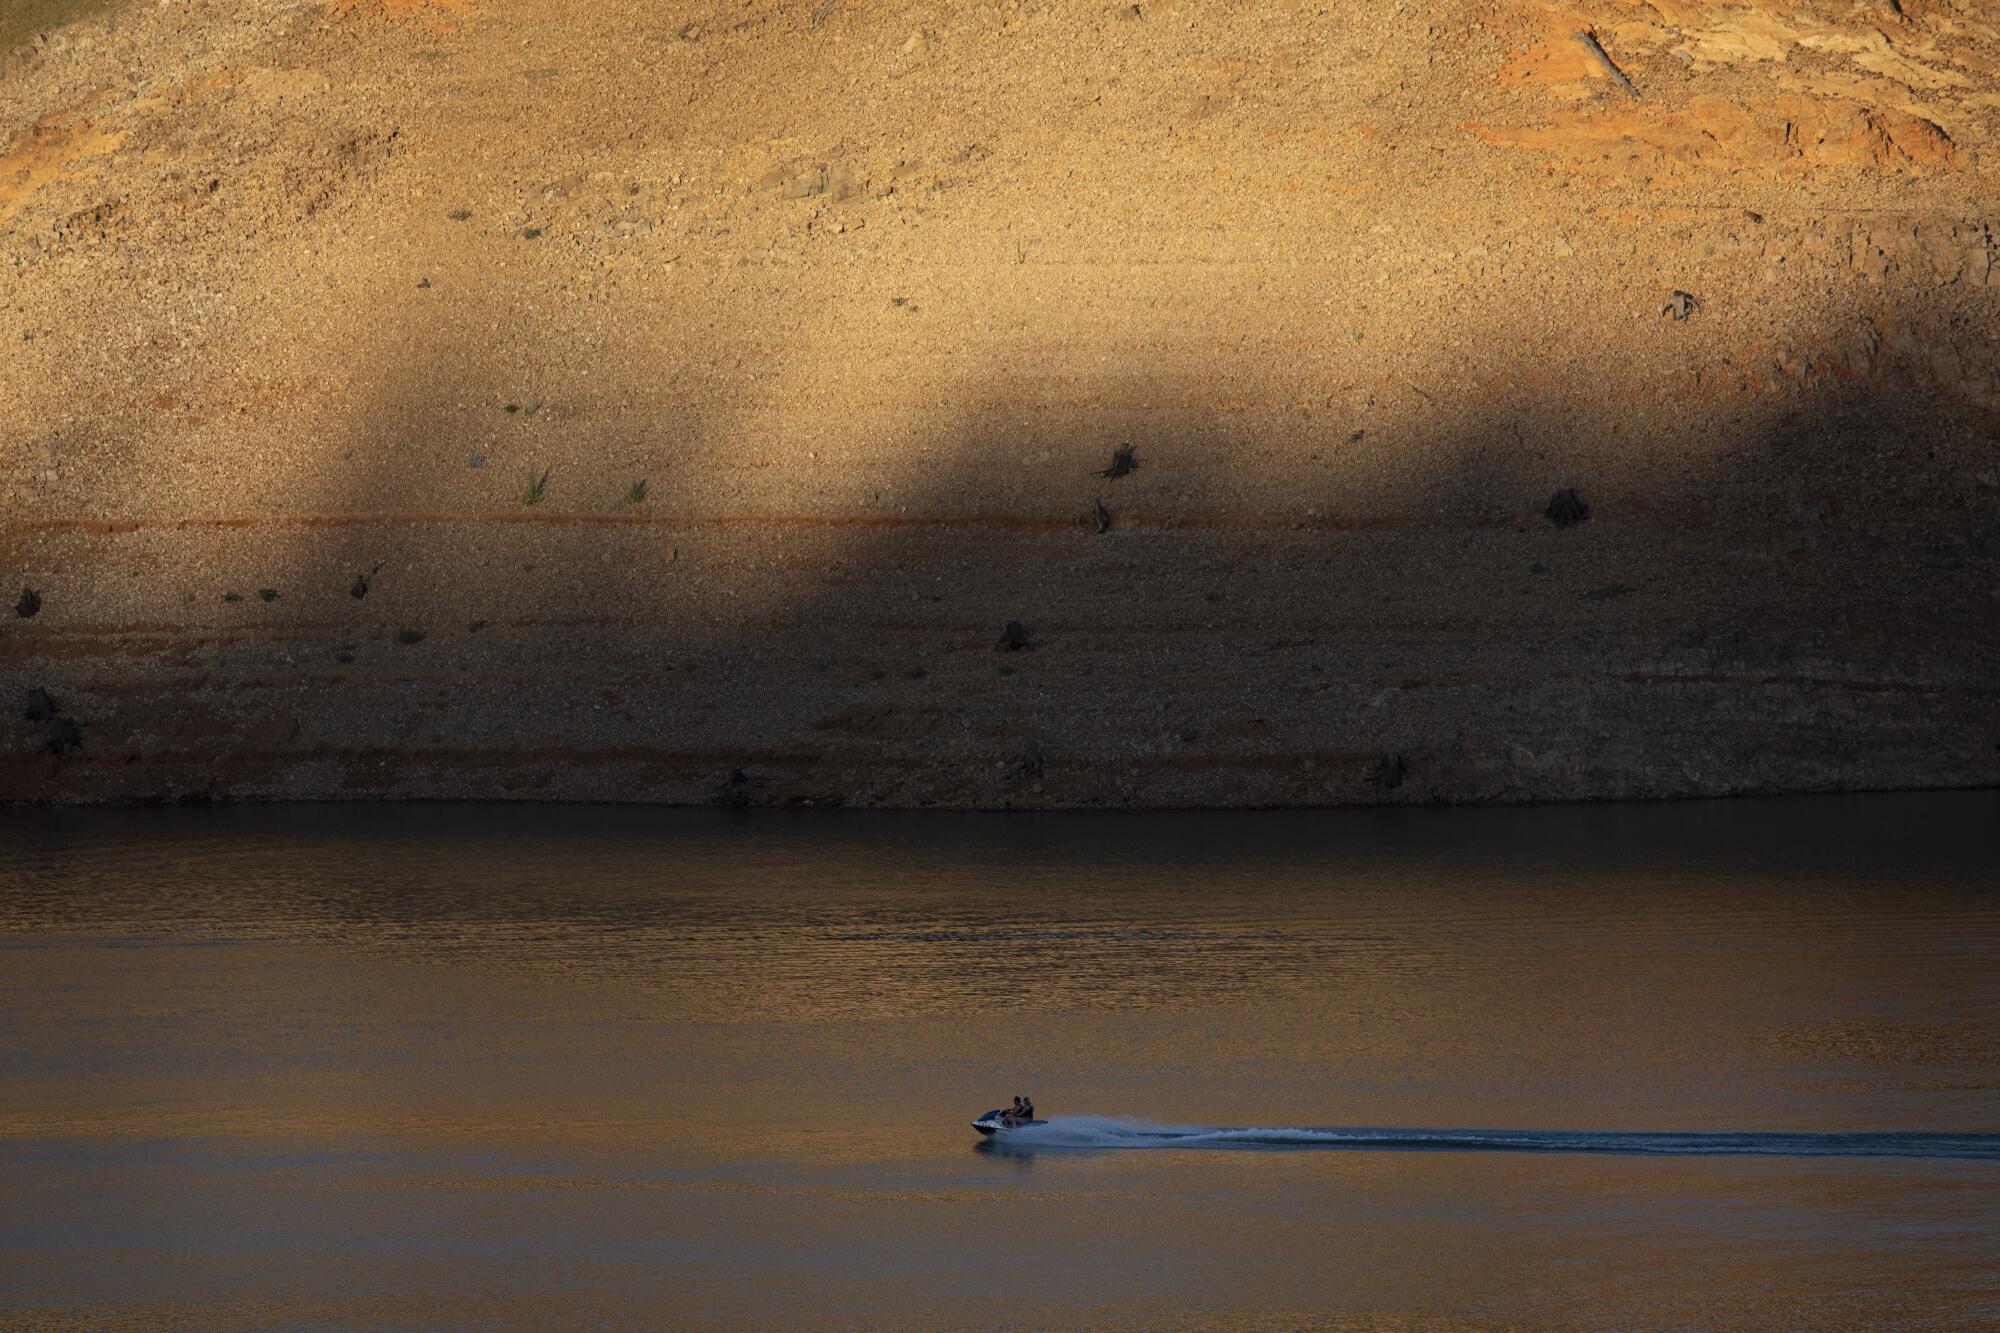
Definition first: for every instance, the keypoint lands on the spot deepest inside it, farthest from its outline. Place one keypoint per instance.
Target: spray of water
(1086, 1133)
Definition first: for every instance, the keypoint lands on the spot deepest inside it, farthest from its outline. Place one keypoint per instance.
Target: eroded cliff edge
(678, 402)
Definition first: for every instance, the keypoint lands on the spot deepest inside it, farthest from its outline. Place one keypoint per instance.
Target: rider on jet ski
(1021, 1115)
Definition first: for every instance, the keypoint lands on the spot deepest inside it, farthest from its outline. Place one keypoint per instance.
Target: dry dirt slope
(300, 302)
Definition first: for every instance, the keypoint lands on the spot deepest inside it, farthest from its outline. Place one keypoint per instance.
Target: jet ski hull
(999, 1122)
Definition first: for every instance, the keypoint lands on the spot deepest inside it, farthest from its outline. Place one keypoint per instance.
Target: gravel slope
(306, 298)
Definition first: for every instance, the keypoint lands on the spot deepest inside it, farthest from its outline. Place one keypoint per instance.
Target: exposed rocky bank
(707, 401)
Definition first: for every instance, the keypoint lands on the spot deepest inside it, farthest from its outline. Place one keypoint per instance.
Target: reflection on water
(732, 915)
(715, 1068)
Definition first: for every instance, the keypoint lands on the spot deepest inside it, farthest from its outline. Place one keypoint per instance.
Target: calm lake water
(1721, 1065)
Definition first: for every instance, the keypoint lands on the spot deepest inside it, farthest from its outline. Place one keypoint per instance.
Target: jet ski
(997, 1122)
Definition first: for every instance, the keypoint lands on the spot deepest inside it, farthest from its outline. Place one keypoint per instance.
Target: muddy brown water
(1717, 1065)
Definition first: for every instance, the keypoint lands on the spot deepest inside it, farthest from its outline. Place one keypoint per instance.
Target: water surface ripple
(548, 1067)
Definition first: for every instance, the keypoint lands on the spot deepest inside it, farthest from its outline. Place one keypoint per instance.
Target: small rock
(1566, 508)
(843, 184)
(1872, 262)
(1859, 351)
(30, 603)
(1014, 638)
(805, 184)
(1100, 516)
(1388, 773)
(41, 705)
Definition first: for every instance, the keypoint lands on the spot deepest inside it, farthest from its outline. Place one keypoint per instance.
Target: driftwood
(1589, 41)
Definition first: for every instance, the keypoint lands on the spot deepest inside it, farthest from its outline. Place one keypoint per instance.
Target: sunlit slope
(679, 402)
